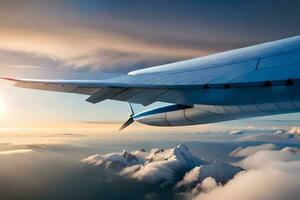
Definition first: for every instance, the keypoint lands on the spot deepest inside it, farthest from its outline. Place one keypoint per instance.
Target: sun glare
(2, 107)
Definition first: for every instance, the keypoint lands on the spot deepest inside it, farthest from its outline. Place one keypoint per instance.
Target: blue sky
(81, 39)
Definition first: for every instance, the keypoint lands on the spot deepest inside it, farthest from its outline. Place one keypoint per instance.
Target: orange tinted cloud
(78, 39)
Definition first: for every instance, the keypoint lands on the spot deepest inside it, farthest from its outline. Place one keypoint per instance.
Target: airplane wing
(99, 90)
(196, 81)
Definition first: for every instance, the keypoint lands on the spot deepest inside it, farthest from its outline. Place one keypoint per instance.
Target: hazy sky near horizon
(80, 39)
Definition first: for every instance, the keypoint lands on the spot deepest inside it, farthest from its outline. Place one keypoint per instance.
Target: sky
(80, 40)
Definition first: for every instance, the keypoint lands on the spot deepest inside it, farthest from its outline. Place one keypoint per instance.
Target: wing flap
(145, 96)
(103, 94)
(127, 94)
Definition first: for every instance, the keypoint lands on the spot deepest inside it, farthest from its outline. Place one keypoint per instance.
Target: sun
(3, 107)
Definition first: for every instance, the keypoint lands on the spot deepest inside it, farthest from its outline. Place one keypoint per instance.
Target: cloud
(265, 158)
(294, 131)
(291, 149)
(247, 151)
(190, 177)
(154, 172)
(17, 151)
(115, 161)
(235, 132)
(208, 184)
(271, 174)
(274, 136)
(220, 172)
(156, 166)
(77, 38)
(258, 184)
(103, 34)
(164, 167)
(25, 66)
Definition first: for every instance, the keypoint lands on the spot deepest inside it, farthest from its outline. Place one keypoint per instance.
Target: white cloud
(235, 132)
(272, 174)
(247, 151)
(274, 135)
(17, 151)
(158, 165)
(115, 161)
(130, 170)
(25, 66)
(258, 185)
(220, 172)
(265, 158)
(160, 168)
(164, 166)
(294, 131)
(208, 184)
(278, 132)
(155, 172)
(268, 137)
(190, 177)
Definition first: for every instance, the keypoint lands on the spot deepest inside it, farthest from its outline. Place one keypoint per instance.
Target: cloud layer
(164, 167)
(270, 172)
(156, 166)
(17, 151)
(106, 34)
(280, 135)
(249, 150)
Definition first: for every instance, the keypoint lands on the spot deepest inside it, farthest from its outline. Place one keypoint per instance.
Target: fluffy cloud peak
(294, 131)
(219, 171)
(180, 154)
(116, 161)
(163, 166)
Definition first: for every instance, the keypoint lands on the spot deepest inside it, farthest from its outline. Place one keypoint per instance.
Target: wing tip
(9, 79)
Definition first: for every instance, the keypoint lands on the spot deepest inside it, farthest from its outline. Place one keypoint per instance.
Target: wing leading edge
(98, 90)
(221, 93)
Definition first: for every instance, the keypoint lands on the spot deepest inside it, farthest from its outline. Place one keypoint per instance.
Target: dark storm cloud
(133, 34)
